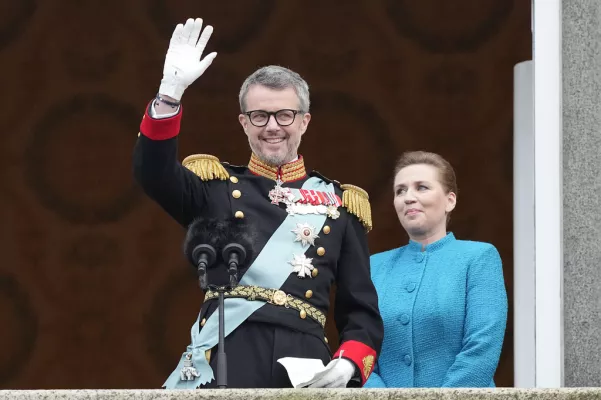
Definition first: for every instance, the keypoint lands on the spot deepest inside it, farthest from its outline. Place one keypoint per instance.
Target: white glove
(338, 376)
(182, 63)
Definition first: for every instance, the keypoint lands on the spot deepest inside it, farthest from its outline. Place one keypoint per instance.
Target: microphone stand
(235, 254)
(205, 256)
(221, 356)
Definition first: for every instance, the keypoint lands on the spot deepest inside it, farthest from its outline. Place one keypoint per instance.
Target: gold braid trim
(368, 364)
(292, 171)
(272, 296)
(207, 167)
(356, 201)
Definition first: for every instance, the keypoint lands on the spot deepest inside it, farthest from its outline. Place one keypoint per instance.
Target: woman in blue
(443, 300)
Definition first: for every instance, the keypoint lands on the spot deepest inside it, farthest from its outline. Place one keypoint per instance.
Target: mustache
(274, 136)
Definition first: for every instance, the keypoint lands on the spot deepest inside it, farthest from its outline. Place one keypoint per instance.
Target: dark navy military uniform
(205, 187)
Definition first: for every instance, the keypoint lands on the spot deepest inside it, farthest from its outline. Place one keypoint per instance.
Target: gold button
(239, 214)
(203, 322)
(303, 314)
(314, 272)
(233, 179)
(326, 339)
(236, 194)
(309, 294)
(321, 251)
(326, 229)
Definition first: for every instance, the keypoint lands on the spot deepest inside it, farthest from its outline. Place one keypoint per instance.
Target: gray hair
(278, 78)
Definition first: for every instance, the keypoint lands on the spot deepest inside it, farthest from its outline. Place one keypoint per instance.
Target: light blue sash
(269, 270)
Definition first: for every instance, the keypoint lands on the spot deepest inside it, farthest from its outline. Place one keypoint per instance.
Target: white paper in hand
(304, 371)
(301, 370)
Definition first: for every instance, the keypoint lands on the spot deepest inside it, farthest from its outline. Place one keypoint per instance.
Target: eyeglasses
(260, 118)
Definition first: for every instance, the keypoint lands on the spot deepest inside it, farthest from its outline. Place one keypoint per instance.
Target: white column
(548, 193)
(524, 287)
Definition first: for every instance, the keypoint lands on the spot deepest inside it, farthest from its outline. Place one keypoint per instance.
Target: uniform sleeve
(356, 310)
(484, 327)
(162, 177)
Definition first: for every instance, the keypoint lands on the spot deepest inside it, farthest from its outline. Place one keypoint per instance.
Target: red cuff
(361, 354)
(160, 129)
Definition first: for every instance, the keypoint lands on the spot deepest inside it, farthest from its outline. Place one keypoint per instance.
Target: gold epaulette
(207, 167)
(356, 201)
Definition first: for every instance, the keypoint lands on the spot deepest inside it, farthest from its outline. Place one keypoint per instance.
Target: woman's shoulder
(474, 246)
(386, 257)
(381, 262)
(387, 254)
(474, 249)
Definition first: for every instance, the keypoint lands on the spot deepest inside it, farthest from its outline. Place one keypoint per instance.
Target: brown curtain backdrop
(94, 290)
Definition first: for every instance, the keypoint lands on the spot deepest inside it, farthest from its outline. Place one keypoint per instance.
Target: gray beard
(274, 161)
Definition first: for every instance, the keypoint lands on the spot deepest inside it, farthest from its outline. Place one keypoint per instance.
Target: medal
(301, 265)
(188, 372)
(280, 194)
(305, 234)
(300, 208)
(333, 212)
(303, 201)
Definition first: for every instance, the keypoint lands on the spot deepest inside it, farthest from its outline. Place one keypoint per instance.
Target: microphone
(238, 249)
(206, 256)
(234, 254)
(200, 247)
(209, 238)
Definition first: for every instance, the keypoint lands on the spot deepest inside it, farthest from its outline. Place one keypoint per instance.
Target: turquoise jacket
(444, 311)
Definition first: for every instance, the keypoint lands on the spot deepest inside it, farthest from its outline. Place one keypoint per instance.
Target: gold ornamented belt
(275, 297)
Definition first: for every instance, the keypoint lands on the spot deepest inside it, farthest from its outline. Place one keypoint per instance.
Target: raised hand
(183, 64)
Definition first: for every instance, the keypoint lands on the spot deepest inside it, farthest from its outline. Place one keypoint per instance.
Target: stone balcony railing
(309, 394)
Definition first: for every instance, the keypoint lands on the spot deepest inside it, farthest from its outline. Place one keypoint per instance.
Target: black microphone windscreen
(203, 231)
(241, 232)
(219, 232)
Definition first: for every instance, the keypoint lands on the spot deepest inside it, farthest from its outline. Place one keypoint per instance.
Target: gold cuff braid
(272, 296)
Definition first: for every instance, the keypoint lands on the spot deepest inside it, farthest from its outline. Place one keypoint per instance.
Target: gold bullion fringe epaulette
(206, 166)
(356, 201)
(272, 296)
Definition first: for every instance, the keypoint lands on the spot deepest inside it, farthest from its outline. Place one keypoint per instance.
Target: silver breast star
(305, 234)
